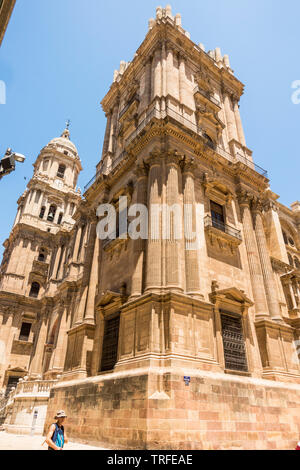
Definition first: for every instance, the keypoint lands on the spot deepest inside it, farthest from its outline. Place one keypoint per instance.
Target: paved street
(16, 442)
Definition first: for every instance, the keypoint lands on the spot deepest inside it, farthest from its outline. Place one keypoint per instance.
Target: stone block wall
(214, 412)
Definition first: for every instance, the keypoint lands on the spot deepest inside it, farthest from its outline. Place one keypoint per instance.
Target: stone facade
(6, 9)
(120, 323)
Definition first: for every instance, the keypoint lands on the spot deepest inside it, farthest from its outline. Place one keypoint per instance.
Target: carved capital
(174, 158)
(141, 171)
(270, 205)
(257, 206)
(189, 165)
(245, 198)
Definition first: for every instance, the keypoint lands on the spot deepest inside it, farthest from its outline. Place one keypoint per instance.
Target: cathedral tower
(44, 211)
(183, 338)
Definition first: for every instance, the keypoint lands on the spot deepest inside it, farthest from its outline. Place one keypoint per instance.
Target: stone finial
(188, 35)
(116, 73)
(295, 206)
(212, 54)
(178, 19)
(218, 54)
(226, 61)
(169, 11)
(122, 66)
(151, 23)
(159, 13)
(201, 46)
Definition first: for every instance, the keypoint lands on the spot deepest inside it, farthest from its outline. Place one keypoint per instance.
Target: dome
(64, 143)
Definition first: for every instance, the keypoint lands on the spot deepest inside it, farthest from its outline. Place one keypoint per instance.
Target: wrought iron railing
(211, 222)
(169, 112)
(207, 95)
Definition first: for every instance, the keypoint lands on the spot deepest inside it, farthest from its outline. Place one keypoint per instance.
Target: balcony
(132, 105)
(199, 93)
(223, 233)
(155, 114)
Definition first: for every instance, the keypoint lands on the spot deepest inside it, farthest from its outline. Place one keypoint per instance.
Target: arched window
(60, 218)
(291, 263)
(37, 196)
(72, 207)
(45, 164)
(209, 141)
(42, 255)
(297, 262)
(52, 212)
(61, 171)
(35, 289)
(285, 238)
(42, 213)
(291, 241)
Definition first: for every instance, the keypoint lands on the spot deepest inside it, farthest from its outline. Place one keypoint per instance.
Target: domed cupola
(64, 145)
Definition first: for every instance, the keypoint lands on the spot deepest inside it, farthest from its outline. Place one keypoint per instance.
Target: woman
(56, 437)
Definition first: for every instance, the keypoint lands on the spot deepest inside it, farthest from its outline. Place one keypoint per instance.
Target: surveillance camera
(19, 157)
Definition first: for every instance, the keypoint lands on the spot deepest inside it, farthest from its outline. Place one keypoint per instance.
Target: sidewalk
(16, 442)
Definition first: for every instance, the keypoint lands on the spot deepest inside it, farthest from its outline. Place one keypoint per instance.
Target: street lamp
(8, 162)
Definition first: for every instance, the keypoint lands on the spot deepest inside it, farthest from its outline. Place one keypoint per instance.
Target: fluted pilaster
(174, 245)
(266, 266)
(154, 247)
(253, 257)
(139, 245)
(190, 227)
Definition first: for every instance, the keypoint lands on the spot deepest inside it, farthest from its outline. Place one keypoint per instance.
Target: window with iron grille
(61, 171)
(234, 343)
(110, 343)
(217, 216)
(35, 289)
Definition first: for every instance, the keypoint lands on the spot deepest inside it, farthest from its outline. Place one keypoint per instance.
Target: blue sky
(58, 58)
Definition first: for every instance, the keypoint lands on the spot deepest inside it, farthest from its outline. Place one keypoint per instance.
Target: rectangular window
(110, 344)
(12, 383)
(234, 343)
(25, 331)
(217, 215)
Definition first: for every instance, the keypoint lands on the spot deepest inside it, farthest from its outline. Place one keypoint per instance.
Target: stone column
(275, 238)
(146, 96)
(181, 60)
(79, 314)
(59, 354)
(230, 118)
(164, 76)
(170, 71)
(266, 266)
(113, 129)
(238, 122)
(174, 247)
(139, 245)
(77, 243)
(156, 74)
(191, 244)
(256, 277)
(107, 133)
(154, 248)
(15, 256)
(56, 262)
(62, 262)
(84, 243)
(36, 366)
(89, 316)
